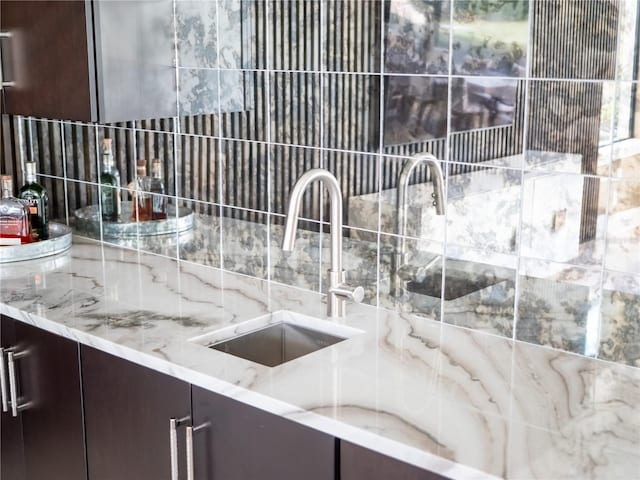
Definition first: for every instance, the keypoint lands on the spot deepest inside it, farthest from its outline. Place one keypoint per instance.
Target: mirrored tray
(59, 241)
(87, 221)
(35, 269)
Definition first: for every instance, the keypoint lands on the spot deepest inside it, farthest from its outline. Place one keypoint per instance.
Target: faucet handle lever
(355, 294)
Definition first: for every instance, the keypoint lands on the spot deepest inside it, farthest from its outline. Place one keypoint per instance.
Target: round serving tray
(34, 268)
(59, 240)
(87, 221)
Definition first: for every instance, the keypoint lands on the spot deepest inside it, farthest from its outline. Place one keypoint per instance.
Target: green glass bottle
(35, 196)
(109, 185)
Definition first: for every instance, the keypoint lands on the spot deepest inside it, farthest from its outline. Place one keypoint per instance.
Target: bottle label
(33, 204)
(5, 241)
(12, 227)
(108, 203)
(9, 224)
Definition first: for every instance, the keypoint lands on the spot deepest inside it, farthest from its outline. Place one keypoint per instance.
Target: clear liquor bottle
(14, 216)
(35, 196)
(141, 199)
(110, 185)
(158, 197)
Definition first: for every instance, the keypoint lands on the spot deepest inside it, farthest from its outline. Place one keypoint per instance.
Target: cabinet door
(233, 441)
(89, 60)
(50, 58)
(127, 413)
(135, 58)
(46, 439)
(11, 441)
(358, 463)
(49, 388)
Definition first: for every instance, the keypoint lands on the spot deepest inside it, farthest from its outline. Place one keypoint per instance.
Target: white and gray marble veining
(459, 402)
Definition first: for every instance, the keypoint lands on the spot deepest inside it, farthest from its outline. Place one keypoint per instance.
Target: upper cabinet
(89, 61)
(111, 61)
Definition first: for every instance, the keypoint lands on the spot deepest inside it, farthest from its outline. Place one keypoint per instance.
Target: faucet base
(340, 292)
(336, 304)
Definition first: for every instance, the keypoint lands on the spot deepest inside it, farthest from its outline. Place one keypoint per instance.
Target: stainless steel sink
(277, 338)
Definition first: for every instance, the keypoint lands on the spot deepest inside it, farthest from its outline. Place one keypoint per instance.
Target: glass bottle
(159, 200)
(14, 216)
(141, 199)
(110, 184)
(35, 196)
(107, 159)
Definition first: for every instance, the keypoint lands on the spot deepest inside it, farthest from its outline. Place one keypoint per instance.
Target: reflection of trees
(509, 10)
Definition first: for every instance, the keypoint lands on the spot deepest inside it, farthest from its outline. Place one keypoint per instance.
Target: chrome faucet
(399, 273)
(339, 292)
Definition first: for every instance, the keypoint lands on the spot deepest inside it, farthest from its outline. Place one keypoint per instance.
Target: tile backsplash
(532, 107)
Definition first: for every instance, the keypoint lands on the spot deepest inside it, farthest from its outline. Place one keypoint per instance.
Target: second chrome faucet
(338, 292)
(399, 271)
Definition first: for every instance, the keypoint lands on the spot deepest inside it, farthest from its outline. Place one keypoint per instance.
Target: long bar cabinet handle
(12, 384)
(173, 441)
(174, 423)
(190, 460)
(12, 356)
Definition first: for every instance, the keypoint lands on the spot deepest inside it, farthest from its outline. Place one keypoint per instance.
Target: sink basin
(458, 283)
(276, 338)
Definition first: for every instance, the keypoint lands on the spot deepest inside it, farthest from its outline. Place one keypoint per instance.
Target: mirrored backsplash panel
(533, 117)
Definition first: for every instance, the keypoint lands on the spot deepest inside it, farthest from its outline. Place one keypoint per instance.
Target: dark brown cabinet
(89, 60)
(128, 409)
(12, 466)
(358, 463)
(42, 431)
(234, 441)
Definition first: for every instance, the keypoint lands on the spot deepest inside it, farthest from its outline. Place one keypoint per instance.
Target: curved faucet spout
(295, 200)
(338, 292)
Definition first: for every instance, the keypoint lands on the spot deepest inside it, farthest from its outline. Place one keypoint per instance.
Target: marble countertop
(458, 402)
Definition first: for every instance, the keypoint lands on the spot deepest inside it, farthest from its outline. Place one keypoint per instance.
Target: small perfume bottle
(141, 197)
(159, 200)
(14, 216)
(110, 184)
(34, 196)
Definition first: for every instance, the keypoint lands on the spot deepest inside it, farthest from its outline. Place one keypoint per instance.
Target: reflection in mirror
(483, 210)
(628, 30)
(417, 42)
(558, 306)
(559, 223)
(482, 102)
(622, 152)
(623, 226)
(620, 310)
(415, 109)
(214, 45)
(417, 36)
(478, 48)
(474, 294)
(418, 184)
(402, 204)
